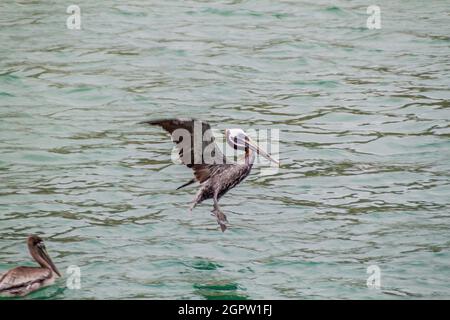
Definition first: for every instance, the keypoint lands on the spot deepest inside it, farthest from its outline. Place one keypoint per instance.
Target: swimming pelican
(22, 280)
(199, 152)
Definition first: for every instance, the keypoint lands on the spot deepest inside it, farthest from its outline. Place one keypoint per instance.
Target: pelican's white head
(238, 139)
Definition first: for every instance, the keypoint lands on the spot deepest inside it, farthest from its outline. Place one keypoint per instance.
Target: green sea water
(364, 145)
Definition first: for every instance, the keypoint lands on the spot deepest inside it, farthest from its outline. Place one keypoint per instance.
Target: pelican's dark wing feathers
(192, 154)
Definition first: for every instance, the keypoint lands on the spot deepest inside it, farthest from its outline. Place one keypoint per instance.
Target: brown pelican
(22, 280)
(199, 152)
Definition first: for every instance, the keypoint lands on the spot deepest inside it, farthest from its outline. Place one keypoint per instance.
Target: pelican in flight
(198, 151)
(21, 281)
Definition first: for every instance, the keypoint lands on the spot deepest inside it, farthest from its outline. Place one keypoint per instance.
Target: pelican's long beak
(252, 145)
(44, 254)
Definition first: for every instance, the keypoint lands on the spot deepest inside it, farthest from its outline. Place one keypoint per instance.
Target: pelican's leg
(197, 199)
(220, 216)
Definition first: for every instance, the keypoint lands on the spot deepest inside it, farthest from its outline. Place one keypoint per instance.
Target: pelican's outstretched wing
(21, 279)
(195, 143)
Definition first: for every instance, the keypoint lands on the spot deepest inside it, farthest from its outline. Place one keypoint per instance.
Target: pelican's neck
(249, 156)
(38, 258)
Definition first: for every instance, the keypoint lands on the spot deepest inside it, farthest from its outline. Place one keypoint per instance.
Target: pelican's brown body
(21, 281)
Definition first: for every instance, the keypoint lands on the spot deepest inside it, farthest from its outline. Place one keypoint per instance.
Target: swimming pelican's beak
(252, 145)
(44, 254)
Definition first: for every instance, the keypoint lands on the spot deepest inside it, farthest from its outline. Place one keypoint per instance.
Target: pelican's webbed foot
(221, 218)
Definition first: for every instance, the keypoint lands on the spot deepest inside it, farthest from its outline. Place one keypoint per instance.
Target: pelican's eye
(246, 139)
(41, 245)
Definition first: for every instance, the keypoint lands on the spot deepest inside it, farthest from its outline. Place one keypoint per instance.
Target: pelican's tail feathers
(186, 184)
